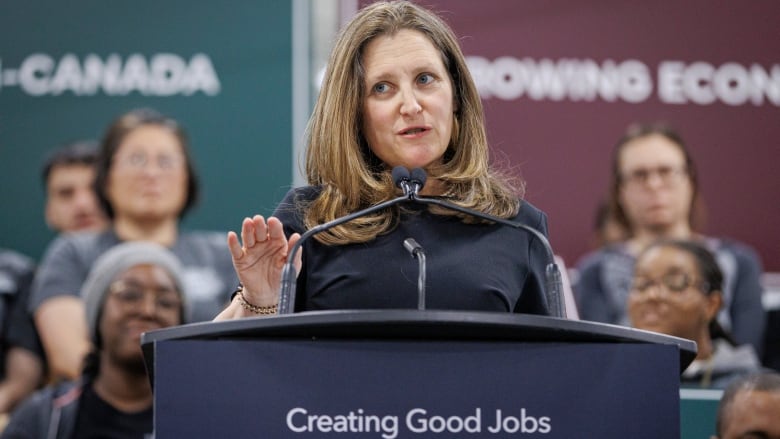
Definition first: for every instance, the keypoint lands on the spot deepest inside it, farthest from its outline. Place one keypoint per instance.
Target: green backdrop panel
(222, 70)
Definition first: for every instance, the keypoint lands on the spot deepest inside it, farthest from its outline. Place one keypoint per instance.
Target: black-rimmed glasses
(673, 282)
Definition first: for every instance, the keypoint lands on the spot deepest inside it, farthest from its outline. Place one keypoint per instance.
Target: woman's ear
(714, 302)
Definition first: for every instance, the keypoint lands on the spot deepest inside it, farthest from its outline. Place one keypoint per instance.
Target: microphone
(417, 251)
(401, 178)
(417, 180)
(411, 183)
(553, 282)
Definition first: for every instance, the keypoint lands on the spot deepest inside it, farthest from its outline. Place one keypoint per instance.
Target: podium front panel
(414, 389)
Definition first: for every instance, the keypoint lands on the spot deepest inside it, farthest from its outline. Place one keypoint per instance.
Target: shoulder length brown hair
(339, 159)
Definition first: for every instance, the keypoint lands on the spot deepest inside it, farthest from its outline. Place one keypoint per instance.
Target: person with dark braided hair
(677, 290)
(654, 193)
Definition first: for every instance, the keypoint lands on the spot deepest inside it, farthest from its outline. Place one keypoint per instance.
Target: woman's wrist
(241, 296)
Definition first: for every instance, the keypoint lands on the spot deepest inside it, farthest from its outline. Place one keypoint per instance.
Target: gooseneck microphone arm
(553, 282)
(289, 276)
(411, 184)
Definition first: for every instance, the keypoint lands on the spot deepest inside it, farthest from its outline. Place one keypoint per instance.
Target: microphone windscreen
(400, 174)
(419, 176)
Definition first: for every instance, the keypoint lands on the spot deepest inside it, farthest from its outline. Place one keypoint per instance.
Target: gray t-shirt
(209, 277)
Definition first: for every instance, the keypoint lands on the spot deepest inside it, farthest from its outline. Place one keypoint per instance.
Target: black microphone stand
(411, 186)
(418, 253)
(553, 281)
(287, 292)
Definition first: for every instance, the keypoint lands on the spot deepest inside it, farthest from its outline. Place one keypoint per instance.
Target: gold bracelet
(263, 310)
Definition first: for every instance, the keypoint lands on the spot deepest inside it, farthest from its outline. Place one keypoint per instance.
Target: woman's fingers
(260, 240)
(275, 229)
(259, 255)
(260, 228)
(248, 233)
(253, 230)
(235, 247)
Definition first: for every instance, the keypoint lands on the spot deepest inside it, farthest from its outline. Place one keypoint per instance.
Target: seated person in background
(607, 230)
(771, 353)
(750, 408)
(134, 287)
(654, 194)
(145, 183)
(677, 291)
(21, 356)
(69, 179)
(396, 92)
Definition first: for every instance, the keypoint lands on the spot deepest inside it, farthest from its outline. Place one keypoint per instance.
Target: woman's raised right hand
(260, 257)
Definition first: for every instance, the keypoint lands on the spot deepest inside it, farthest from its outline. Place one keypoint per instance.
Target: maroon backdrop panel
(561, 80)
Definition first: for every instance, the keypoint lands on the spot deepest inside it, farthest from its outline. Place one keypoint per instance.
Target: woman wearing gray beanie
(132, 288)
(146, 182)
(117, 260)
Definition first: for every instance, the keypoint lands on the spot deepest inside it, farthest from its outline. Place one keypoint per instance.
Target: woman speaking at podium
(396, 92)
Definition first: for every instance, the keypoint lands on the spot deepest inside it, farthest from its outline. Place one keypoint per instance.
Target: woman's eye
(381, 88)
(131, 295)
(425, 78)
(137, 159)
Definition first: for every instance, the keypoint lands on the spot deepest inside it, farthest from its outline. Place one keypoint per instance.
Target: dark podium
(414, 374)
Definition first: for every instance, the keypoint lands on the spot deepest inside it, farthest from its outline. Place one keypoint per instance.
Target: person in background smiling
(145, 182)
(677, 290)
(654, 194)
(133, 288)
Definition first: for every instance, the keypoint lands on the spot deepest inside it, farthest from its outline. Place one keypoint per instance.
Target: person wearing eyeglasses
(677, 290)
(146, 182)
(654, 194)
(132, 288)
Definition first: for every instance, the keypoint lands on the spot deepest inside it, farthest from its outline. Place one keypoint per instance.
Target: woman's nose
(149, 304)
(410, 105)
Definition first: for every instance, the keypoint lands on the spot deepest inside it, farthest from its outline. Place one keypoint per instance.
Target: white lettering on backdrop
(699, 83)
(161, 74)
